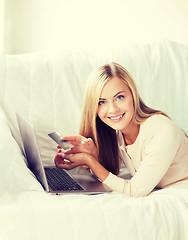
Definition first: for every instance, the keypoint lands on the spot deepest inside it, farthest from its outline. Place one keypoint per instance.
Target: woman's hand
(83, 153)
(70, 161)
(82, 145)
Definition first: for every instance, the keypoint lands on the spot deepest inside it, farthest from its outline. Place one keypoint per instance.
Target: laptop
(55, 180)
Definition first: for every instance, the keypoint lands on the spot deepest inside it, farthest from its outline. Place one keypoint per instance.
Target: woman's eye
(101, 102)
(120, 97)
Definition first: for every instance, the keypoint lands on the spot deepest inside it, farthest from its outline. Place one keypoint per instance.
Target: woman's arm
(84, 152)
(97, 169)
(70, 161)
(158, 153)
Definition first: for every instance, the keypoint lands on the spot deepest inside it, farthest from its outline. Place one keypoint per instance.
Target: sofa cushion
(47, 88)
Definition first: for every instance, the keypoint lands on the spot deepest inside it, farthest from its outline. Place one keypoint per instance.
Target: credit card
(64, 144)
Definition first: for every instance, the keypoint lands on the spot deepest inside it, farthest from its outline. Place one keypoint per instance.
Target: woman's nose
(112, 107)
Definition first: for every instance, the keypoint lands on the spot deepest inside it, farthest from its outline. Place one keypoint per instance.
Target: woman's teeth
(116, 118)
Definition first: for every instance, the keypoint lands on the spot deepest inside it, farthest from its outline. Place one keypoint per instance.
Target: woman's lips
(116, 118)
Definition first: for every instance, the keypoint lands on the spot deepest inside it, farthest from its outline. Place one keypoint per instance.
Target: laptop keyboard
(58, 179)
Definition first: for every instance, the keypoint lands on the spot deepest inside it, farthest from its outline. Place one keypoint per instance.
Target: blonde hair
(91, 126)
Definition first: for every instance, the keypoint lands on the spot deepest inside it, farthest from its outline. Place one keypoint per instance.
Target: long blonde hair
(91, 126)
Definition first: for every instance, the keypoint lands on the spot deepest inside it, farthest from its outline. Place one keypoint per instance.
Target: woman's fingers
(59, 160)
(87, 141)
(67, 162)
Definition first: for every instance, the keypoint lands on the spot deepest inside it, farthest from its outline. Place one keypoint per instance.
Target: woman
(118, 127)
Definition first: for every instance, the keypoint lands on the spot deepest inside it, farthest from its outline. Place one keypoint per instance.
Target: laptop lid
(34, 161)
(31, 151)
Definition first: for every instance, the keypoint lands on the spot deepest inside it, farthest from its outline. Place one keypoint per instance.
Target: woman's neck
(131, 135)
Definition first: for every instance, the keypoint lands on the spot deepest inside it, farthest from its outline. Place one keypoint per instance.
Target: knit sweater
(158, 158)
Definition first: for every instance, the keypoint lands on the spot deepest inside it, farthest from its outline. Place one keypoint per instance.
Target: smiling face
(116, 108)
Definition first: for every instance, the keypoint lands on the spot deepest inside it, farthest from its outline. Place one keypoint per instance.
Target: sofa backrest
(47, 89)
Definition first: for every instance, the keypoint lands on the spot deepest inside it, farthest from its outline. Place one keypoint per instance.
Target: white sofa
(47, 90)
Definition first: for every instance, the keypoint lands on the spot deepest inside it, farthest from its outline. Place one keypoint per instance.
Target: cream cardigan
(158, 158)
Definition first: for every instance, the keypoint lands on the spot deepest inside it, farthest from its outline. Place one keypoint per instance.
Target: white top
(158, 158)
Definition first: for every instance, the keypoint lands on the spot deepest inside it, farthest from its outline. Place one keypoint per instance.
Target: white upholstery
(47, 89)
